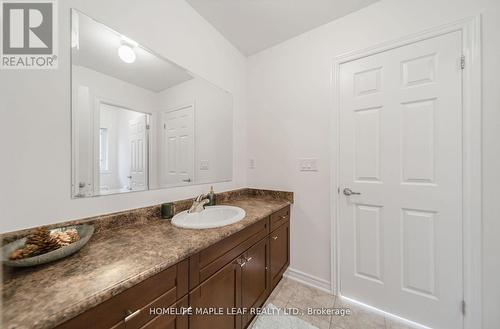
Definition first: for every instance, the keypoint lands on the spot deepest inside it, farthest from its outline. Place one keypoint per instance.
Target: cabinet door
(219, 293)
(254, 278)
(280, 252)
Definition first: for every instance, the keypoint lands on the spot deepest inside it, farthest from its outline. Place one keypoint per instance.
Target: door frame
(471, 157)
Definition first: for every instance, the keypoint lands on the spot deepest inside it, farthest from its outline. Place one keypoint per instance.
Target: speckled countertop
(113, 260)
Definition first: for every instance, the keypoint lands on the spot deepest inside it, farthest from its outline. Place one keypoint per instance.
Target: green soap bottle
(211, 197)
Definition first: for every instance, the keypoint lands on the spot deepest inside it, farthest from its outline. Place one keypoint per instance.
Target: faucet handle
(200, 197)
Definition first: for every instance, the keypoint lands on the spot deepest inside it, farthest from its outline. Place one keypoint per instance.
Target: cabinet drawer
(280, 217)
(161, 289)
(280, 252)
(210, 260)
(171, 321)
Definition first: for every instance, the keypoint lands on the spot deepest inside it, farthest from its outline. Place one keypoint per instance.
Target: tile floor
(292, 294)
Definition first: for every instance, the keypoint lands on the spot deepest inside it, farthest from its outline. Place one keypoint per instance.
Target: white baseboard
(309, 280)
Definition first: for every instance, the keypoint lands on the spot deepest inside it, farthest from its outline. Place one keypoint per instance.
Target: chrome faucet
(199, 204)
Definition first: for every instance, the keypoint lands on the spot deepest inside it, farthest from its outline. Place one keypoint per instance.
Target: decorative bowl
(85, 232)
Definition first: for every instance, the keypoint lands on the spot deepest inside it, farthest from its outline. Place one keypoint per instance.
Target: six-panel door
(400, 149)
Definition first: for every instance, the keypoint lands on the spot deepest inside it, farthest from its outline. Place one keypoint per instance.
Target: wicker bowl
(85, 232)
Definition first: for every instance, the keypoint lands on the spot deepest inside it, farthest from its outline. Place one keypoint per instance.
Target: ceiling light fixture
(126, 53)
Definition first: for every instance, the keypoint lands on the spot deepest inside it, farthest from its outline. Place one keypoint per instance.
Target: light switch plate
(204, 164)
(251, 163)
(310, 164)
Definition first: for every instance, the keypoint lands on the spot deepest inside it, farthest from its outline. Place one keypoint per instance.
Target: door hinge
(338, 190)
(147, 127)
(463, 307)
(462, 62)
(164, 126)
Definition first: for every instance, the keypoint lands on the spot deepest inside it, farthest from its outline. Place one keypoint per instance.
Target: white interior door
(178, 147)
(400, 148)
(138, 153)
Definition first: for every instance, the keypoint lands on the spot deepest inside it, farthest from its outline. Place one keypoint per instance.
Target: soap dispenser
(211, 197)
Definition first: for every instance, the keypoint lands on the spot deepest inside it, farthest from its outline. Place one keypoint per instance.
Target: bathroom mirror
(140, 121)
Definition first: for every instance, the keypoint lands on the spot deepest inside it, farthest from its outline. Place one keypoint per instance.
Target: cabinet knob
(275, 237)
(283, 217)
(131, 315)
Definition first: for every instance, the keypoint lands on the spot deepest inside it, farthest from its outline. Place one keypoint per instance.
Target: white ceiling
(98, 50)
(254, 25)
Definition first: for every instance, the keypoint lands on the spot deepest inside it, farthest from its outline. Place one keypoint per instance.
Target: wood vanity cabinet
(239, 273)
(217, 284)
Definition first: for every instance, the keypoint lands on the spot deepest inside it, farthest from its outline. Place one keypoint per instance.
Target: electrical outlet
(308, 164)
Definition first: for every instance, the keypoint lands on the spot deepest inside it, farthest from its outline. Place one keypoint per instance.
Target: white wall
(35, 111)
(289, 106)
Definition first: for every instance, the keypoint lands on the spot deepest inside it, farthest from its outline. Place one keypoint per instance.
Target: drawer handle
(275, 237)
(131, 315)
(241, 262)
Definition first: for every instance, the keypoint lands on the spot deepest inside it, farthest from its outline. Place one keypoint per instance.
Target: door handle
(187, 180)
(275, 237)
(248, 259)
(347, 191)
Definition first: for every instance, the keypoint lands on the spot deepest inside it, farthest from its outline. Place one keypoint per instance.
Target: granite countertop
(112, 261)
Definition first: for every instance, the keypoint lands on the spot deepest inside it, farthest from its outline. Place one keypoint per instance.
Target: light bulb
(126, 54)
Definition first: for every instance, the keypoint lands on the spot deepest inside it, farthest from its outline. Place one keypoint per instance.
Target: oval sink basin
(211, 217)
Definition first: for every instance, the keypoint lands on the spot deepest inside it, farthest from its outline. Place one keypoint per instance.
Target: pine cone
(43, 240)
(62, 238)
(39, 237)
(28, 250)
(73, 234)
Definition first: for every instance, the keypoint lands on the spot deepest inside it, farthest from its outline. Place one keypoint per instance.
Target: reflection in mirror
(139, 121)
(123, 156)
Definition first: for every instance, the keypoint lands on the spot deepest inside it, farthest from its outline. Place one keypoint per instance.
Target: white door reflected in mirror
(178, 146)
